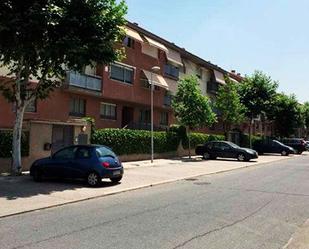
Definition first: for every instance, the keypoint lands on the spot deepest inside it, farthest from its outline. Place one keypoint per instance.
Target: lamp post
(153, 69)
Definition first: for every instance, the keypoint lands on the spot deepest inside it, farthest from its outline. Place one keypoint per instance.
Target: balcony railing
(88, 82)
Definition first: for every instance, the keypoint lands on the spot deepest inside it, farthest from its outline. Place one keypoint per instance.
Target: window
(105, 152)
(167, 101)
(164, 118)
(145, 84)
(108, 111)
(31, 107)
(77, 107)
(67, 153)
(122, 73)
(145, 116)
(171, 70)
(129, 42)
(83, 153)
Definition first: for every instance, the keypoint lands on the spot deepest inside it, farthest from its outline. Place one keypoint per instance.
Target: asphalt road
(253, 208)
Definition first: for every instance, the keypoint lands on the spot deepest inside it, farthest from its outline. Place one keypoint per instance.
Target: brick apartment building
(116, 95)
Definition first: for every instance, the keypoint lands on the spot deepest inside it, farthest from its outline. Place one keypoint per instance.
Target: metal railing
(89, 82)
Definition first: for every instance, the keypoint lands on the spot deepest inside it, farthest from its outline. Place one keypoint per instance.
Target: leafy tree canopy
(287, 114)
(41, 38)
(191, 108)
(257, 93)
(229, 105)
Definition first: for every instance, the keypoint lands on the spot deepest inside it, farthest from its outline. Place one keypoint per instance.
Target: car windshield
(277, 142)
(235, 146)
(105, 152)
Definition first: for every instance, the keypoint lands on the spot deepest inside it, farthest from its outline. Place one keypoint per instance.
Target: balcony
(83, 81)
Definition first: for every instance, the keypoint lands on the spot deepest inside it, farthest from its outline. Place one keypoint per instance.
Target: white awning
(155, 44)
(157, 79)
(174, 57)
(235, 81)
(133, 34)
(219, 77)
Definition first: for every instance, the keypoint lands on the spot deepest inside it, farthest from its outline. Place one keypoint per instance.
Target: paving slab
(22, 194)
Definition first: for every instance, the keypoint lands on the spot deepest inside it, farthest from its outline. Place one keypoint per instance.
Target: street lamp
(153, 70)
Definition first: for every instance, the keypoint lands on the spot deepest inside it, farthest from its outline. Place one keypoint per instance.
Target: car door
(81, 163)
(276, 147)
(221, 149)
(61, 162)
(227, 150)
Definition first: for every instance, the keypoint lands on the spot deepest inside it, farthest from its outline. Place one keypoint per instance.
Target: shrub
(125, 141)
(6, 138)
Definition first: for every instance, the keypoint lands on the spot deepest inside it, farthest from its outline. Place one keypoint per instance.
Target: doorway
(62, 136)
(127, 116)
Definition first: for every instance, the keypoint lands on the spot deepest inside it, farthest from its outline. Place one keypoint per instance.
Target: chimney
(233, 71)
(239, 74)
(135, 23)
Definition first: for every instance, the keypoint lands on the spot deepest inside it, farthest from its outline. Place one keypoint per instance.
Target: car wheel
(93, 179)
(116, 179)
(284, 153)
(206, 156)
(241, 157)
(37, 175)
(299, 152)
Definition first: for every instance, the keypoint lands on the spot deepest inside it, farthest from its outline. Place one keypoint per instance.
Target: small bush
(125, 141)
(6, 138)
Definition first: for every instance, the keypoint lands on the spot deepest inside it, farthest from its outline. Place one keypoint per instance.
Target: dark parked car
(272, 146)
(307, 145)
(89, 162)
(214, 149)
(298, 144)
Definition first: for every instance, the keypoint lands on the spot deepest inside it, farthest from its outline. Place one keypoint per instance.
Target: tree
(306, 117)
(41, 39)
(287, 114)
(192, 109)
(257, 93)
(229, 106)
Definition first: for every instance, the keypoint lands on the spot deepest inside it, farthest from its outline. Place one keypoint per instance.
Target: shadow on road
(13, 188)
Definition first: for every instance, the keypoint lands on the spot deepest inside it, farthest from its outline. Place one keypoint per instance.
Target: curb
(139, 187)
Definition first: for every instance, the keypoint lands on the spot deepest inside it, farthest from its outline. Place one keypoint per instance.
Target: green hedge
(125, 141)
(6, 138)
(200, 138)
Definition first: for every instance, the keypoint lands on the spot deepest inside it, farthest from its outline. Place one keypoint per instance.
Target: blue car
(89, 162)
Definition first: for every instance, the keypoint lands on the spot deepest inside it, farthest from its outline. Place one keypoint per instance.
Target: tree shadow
(13, 188)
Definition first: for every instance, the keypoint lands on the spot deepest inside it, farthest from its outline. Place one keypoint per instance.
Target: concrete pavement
(300, 240)
(21, 194)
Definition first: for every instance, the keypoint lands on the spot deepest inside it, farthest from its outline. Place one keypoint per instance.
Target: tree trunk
(189, 143)
(250, 133)
(16, 147)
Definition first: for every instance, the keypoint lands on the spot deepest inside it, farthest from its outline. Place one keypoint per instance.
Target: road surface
(252, 208)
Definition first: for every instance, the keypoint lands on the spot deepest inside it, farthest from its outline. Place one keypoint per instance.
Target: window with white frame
(108, 111)
(122, 73)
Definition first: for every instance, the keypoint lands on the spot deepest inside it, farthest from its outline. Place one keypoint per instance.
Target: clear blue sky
(245, 35)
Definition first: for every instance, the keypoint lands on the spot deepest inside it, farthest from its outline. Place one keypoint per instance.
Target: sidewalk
(22, 194)
(300, 240)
